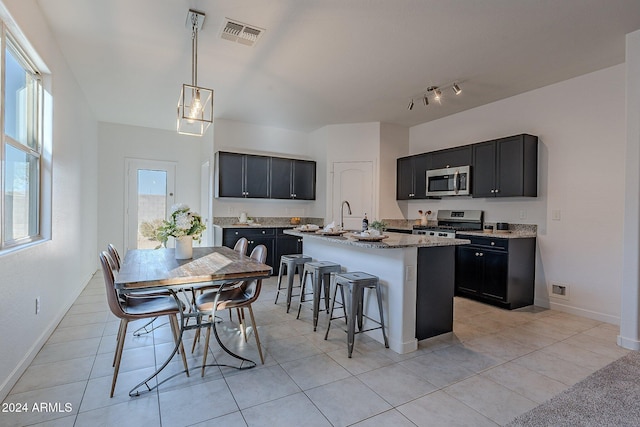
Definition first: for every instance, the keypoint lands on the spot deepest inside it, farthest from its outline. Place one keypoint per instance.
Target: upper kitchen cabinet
(411, 180)
(506, 167)
(242, 175)
(293, 179)
(451, 157)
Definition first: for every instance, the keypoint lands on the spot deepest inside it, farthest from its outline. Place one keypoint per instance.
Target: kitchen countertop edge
(512, 234)
(395, 240)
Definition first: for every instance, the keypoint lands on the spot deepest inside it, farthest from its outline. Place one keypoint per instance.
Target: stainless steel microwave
(454, 181)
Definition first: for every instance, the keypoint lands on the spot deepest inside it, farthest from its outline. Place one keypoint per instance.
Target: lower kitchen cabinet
(498, 271)
(255, 236)
(286, 245)
(274, 239)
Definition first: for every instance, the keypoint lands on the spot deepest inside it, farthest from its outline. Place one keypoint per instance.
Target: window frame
(8, 41)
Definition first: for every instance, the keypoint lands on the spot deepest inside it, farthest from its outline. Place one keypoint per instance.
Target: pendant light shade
(195, 105)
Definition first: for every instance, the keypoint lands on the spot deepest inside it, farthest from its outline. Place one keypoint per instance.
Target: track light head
(456, 89)
(425, 100)
(410, 107)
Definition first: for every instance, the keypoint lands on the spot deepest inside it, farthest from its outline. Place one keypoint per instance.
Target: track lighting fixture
(436, 93)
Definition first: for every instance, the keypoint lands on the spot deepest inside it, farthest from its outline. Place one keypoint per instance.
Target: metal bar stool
(355, 284)
(293, 263)
(320, 272)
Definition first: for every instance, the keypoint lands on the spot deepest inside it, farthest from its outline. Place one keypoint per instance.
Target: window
(21, 155)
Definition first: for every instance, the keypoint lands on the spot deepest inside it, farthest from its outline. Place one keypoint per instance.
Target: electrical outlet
(409, 273)
(555, 214)
(37, 305)
(559, 290)
(523, 214)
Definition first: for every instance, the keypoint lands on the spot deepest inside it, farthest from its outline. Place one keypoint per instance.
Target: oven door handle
(456, 177)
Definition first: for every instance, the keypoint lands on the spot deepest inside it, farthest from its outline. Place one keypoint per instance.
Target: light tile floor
(496, 365)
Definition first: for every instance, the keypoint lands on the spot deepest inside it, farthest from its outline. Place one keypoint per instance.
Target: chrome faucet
(342, 212)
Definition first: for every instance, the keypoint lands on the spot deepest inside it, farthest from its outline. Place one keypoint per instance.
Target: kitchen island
(417, 277)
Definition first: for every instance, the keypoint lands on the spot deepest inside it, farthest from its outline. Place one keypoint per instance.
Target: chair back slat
(115, 257)
(251, 288)
(241, 245)
(112, 296)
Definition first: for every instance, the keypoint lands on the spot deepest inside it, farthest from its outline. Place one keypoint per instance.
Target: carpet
(608, 397)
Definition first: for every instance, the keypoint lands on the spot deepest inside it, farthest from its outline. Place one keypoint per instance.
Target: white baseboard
(628, 343)
(22, 366)
(589, 314)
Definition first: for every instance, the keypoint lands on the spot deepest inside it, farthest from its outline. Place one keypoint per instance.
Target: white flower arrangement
(182, 222)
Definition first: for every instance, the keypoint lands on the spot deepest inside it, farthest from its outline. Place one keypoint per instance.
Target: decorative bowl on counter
(330, 232)
(307, 228)
(367, 237)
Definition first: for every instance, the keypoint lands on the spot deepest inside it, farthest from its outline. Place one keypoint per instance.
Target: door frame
(134, 164)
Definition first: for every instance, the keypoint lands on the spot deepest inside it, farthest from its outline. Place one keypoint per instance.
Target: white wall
(350, 143)
(630, 325)
(394, 143)
(119, 142)
(581, 174)
(249, 138)
(56, 270)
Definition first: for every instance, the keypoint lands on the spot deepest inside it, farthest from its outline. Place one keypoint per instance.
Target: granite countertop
(259, 225)
(511, 234)
(394, 241)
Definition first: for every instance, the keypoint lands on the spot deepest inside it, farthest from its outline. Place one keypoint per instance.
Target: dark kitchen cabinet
(506, 167)
(411, 172)
(451, 157)
(242, 175)
(286, 245)
(255, 236)
(293, 179)
(274, 239)
(498, 271)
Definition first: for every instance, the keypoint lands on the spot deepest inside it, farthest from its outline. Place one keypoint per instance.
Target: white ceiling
(332, 61)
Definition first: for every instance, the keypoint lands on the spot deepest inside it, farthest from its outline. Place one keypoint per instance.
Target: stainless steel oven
(450, 222)
(454, 181)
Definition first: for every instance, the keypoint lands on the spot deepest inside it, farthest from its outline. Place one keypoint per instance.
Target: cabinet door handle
(497, 191)
(263, 232)
(481, 253)
(236, 233)
(493, 243)
(477, 253)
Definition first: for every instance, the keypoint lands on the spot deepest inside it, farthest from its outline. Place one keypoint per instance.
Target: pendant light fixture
(195, 105)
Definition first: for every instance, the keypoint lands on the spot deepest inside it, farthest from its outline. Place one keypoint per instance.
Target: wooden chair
(237, 297)
(134, 309)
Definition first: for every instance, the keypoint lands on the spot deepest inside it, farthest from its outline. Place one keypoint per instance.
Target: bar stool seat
(293, 263)
(320, 272)
(355, 283)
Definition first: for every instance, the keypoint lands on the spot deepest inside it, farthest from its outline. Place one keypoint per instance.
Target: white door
(353, 182)
(150, 194)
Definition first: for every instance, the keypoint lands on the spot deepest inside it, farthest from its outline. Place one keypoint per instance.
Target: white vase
(184, 247)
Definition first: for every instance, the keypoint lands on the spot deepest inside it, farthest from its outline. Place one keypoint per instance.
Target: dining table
(152, 270)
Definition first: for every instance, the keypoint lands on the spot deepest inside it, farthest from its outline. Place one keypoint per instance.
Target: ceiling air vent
(236, 31)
